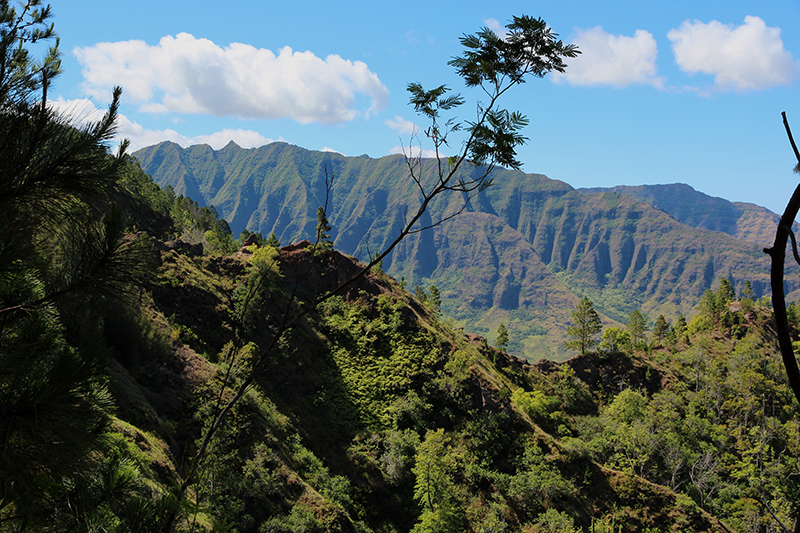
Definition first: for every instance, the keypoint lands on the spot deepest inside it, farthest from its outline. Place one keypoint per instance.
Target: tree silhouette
(778, 256)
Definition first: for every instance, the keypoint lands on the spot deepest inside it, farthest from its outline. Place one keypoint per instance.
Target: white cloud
(84, 110)
(413, 151)
(616, 60)
(183, 74)
(402, 126)
(329, 149)
(741, 58)
(217, 140)
(496, 27)
(79, 112)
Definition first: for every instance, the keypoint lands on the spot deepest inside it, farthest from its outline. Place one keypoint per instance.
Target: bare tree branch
(778, 255)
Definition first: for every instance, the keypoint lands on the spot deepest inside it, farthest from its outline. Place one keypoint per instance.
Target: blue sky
(664, 92)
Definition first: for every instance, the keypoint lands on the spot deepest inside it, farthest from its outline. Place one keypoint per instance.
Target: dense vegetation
(130, 317)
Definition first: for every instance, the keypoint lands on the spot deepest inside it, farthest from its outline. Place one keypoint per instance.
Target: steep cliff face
(522, 252)
(607, 240)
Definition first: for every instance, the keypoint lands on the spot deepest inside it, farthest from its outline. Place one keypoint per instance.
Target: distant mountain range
(522, 253)
(747, 222)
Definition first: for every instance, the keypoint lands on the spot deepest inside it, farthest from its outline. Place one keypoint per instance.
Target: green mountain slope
(535, 245)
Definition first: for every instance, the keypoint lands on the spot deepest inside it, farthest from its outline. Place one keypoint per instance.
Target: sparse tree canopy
(494, 65)
(586, 326)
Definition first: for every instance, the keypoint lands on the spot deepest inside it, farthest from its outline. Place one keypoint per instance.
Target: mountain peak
(231, 146)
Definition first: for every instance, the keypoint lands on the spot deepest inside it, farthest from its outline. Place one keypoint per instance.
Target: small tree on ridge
(587, 325)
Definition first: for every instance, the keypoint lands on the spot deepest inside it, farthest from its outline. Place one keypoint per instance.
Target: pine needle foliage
(58, 240)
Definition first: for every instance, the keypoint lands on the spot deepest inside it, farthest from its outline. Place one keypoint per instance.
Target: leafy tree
(502, 337)
(615, 340)
(634, 443)
(680, 328)
(710, 307)
(747, 291)
(535, 404)
(725, 292)
(434, 489)
(434, 300)
(586, 326)
(263, 277)
(538, 483)
(637, 328)
(747, 297)
(553, 521)
(219, 238)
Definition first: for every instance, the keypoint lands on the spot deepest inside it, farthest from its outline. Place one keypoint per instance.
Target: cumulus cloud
(84, 110)
(402, 126)
(616, 60)
(741, 58)
(183, 74)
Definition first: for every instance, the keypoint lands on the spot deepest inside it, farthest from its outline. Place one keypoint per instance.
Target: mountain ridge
(622, 252)
(745, 221)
